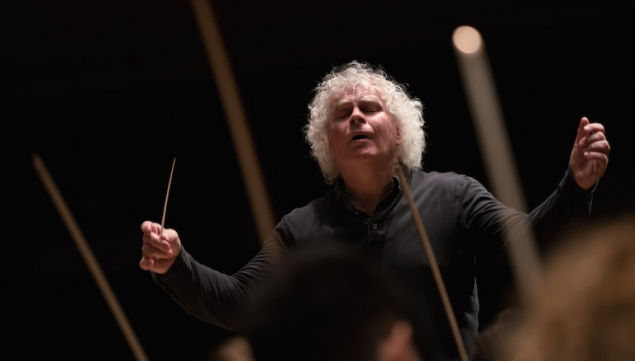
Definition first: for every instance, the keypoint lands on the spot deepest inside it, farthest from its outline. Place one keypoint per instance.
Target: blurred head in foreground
(330, 305)
(586, 310)
(235, 348)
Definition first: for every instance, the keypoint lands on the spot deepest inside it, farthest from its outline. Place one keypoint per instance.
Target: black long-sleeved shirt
(463, 224)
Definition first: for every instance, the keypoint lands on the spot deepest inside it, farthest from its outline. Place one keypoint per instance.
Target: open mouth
(359, 137)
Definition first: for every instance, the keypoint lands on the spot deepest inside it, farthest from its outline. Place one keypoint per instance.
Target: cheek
(391, 133)
(335, 131)
(331, 135)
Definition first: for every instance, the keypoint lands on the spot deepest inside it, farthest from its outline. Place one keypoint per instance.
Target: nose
(357, 116)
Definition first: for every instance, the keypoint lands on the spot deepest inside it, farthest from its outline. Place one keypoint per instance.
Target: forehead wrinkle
(357, 94)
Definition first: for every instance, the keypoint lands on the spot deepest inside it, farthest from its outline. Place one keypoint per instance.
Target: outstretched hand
(590, 154)
(158, 252)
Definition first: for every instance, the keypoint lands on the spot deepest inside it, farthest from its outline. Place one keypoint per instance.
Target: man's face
(360, 129)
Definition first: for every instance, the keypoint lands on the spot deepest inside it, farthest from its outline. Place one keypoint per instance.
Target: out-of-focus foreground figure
(586, 310)
(331, 305)
(235, 348)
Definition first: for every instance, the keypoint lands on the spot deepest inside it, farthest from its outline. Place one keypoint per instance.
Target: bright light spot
(467, 39)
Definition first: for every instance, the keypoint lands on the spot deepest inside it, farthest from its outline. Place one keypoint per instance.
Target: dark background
(108, 92)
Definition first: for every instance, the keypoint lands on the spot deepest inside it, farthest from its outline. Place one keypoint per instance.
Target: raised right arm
(203, 292)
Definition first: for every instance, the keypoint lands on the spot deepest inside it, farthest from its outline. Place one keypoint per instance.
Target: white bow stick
(488, 118)
(436, 272)
(89, 258)
(498, 158)
(167, 195)
(236, 119)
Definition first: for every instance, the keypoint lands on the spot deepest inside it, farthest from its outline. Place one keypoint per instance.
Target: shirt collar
(342, 195)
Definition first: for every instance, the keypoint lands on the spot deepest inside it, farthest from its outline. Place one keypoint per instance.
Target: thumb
(584, 121)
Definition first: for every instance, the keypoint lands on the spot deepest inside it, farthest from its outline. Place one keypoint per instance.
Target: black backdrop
(107, 93)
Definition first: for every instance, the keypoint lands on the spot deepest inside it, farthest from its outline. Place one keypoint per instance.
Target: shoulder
(308, 223)
(452, 180)
(310, 212)
(446, 185)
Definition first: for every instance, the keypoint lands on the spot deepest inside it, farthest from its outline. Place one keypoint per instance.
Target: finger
(152, 252)
(146, 226)
(595, 136)
(147, 264)
(602, 146)
(149, 226)
(601, 158)
(153, 240)
(169, 235)
(594, 127)
(593, 139)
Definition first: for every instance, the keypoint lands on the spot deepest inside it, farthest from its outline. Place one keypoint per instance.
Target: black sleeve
(213, 296)
(567, 205)
(483, 214)
(482, 218)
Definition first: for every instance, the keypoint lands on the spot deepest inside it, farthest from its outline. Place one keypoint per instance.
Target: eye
(370, 107)
(342, 113)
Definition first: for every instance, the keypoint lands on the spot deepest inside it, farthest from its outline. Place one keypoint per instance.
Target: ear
(398, 345)
(398, 137)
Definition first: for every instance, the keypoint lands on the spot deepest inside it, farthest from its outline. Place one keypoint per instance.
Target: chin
(366, 153)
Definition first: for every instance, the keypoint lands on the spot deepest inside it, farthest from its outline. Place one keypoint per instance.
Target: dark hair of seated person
(326, 304)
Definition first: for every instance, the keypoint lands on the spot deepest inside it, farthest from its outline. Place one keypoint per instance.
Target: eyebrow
(370, 98)
(365, 99)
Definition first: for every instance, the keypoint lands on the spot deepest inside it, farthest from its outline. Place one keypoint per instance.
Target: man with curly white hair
(362, 126)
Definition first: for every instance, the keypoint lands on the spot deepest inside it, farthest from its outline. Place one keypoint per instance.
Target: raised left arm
(590, 154)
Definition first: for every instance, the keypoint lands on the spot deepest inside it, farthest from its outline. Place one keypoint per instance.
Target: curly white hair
(406, 111)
